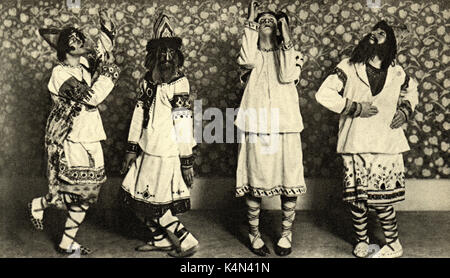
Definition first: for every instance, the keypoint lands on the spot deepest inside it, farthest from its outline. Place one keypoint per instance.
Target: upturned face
(267, 24)
(377, 36)
(75, 41)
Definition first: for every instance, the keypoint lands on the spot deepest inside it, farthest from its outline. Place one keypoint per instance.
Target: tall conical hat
(163, 34)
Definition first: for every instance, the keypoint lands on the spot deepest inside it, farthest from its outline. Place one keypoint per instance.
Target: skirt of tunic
(378, 179)
(77, 172)
(270, 165)
(154, 184)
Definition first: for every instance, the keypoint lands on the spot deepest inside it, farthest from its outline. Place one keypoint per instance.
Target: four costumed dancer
(372, 94)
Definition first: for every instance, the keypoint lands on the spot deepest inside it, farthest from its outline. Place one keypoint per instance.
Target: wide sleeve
(291, 62)
(249, 47)
(137, 120)
(102, 87)
(330, 93)
(183, 123)
(409, 96)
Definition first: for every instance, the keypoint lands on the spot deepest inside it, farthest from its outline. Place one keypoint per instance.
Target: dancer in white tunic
(81, 81)
(159, 156)
(375, 97)
(270, 154)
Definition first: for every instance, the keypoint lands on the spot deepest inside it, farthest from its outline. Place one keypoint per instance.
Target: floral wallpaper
(325, 31)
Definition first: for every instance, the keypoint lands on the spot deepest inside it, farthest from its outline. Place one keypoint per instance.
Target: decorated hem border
(82, 175)
(155, 210)
(276, 191)
(375, 197)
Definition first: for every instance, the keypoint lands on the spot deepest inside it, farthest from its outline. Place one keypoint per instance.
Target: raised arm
(289, 58)
(102, 87)
(249, 47)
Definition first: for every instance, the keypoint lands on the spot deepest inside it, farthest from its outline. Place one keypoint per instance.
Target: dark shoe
(183, 254)
(281, 251)
(150, 246)
(262, 251)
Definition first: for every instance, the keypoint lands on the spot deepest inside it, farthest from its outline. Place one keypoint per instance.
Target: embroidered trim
(187, 161)
(278, 190)
(375, 197)
(133, 147)
(181, 113)
(180, 101)
(342, 76)
(405, 108)
(156, 210)
(81, 175)
(110, 70)
(286, 46)
(350, 107)
(252, 25)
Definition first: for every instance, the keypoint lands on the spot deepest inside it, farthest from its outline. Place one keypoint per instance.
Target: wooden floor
(222, 234)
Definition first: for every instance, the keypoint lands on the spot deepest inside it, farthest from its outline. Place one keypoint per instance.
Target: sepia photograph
(226, 134)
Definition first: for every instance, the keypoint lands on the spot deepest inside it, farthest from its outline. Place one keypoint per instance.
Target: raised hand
(285, 33)
(252, 9)
(105, 18)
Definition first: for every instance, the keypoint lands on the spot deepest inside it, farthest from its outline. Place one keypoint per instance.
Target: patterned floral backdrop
(325, 31)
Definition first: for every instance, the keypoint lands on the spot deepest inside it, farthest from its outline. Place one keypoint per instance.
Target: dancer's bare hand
(285, 30)
(253, 9)
(105, 18)
(398, 120)
(130, 158)
(368, 110)
(188, 176)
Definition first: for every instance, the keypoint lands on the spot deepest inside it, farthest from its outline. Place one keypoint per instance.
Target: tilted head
(379, 42)
(70, 41)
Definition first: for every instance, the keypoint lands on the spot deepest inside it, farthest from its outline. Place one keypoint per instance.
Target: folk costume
(371, 146)
(270, 152)
(161, 135)
(75, 167)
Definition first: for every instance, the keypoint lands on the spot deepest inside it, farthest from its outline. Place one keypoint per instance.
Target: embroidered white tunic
(87, 126)
(169, 131)
(373, 134)
(270, 102)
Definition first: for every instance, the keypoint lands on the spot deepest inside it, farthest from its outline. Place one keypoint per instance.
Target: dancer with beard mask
(270, 152)
(159, 159)
(75, 169)
(375, 98)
